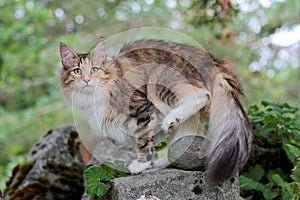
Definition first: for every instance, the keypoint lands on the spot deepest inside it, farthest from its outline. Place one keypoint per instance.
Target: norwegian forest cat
(154, 86)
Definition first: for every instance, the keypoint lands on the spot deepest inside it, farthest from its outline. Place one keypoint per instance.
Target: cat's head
(84, 73)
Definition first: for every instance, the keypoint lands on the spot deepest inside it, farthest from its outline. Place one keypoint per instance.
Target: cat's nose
(87, 81)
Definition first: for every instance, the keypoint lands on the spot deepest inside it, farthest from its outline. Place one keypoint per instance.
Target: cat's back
(179, 48)
(191, 61)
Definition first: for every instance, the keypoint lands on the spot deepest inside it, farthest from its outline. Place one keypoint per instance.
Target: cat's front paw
(171, 122)
(137, 167)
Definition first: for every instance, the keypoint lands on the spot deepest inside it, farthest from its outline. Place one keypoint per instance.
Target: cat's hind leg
(145, 155)
(191, 126)
(145, 148)
(187, 106)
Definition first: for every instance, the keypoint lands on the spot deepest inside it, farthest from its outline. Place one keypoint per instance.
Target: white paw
(171, 121)
(161, 162)
(137, 167)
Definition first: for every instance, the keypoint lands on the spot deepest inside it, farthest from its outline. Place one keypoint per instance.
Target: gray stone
(172, 184)
(52, 170)
(105, 150)
(164, 184)
(108, 151)
(188, 153)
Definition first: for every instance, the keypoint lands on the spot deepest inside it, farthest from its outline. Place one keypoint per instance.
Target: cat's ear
(98, 53)
(67, 54)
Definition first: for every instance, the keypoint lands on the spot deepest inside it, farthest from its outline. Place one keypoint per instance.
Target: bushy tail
(230, 133)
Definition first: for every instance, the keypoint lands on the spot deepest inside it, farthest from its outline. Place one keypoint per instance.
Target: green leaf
(278, 180)
(268, 128)
(247, 198)
(116, 169)
(266, 103)
(111, 173)
(97, 176)
(294, 150)
(121, 166)
(94, 175)
(250, 184)
(269, 194)
(296, 133)
(95, 172)
(256, 172)
(278, 171)
(296, 173)
(94, 186)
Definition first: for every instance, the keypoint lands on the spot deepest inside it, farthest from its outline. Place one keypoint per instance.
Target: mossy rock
(53, 169)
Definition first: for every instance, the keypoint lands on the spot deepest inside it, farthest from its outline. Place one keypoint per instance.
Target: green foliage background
(30, 30)
(277, 126)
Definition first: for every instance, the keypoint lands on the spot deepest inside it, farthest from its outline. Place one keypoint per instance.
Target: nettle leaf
(295, 151)
(267, 128)
(277, 171)
(255, 114)
(288, 190)
(266, 103)
(289, 148)
(296, 132)
(296, 173)
(250, 184)
(256, 172)
(278, 123)
(94, 186)
(278, 180)
(248, 198)
(290, 109)
(269, 194)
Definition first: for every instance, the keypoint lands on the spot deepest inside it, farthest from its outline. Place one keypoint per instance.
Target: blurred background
(261, 37)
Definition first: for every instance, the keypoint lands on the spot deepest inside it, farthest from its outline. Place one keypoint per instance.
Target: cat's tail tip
(229, 134)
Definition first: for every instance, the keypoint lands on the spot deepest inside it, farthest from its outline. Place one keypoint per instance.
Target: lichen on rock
(53, 169)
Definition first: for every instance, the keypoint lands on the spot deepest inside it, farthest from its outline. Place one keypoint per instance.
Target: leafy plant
(276, 124)
(98, 176)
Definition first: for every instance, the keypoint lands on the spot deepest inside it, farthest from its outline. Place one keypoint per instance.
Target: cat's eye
(77, 71)
(94, 70)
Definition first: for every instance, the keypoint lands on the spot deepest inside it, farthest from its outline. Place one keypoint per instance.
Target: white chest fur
(93, 107)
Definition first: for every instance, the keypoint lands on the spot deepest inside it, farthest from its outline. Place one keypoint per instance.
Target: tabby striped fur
(154, 86)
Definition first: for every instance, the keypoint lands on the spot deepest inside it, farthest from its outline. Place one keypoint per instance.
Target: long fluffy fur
(229, 131)
(126, 106)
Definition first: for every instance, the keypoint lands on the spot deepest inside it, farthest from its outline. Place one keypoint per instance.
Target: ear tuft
(98, 53)
(66, 53)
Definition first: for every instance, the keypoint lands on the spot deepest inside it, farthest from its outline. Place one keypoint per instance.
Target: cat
(154, 87)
